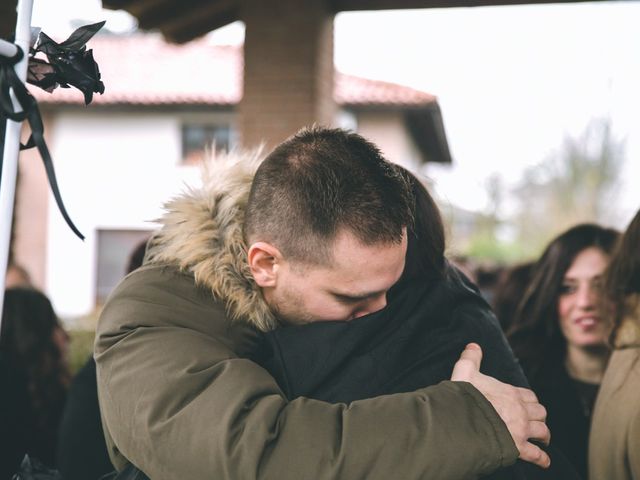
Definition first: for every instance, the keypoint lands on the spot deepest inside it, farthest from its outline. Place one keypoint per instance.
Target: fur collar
(201, 233)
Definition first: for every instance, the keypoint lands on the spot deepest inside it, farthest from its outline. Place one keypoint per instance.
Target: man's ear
(264, 261)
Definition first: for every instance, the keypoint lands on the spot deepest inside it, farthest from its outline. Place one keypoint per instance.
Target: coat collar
(201, 233)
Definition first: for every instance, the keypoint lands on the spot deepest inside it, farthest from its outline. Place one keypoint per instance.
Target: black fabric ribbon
(69, 64)
(30, 112)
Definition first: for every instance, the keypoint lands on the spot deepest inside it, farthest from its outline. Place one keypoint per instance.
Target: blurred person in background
(136, 257)
(17, 276)
(487, 278)
(509, 291)
(82, 451)
(559, 334)
(34, 377)
(466, 265)
(614, 447)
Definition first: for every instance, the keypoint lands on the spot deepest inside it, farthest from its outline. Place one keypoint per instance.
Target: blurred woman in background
(512, 283)
(614, 448)
(559, 334)
(34, 377)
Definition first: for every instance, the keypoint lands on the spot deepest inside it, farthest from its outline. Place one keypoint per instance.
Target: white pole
(7, 49)
(12, 146)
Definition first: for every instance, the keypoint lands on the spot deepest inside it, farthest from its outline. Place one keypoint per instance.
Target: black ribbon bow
(70, 64)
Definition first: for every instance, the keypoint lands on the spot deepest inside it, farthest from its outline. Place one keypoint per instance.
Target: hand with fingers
(518, 407)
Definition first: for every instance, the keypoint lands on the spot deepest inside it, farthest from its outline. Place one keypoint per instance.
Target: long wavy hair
(27, 344)
(622, 277)
(535, 334)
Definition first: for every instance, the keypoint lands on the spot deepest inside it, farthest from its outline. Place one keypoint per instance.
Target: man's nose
(373, 305)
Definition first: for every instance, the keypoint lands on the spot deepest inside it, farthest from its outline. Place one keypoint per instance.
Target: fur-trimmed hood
(201, 233)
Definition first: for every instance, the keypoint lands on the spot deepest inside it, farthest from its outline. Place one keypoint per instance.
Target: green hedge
(80, 348)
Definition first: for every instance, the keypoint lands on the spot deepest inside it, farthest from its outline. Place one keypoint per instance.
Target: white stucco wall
(388, 131)
(115, 171)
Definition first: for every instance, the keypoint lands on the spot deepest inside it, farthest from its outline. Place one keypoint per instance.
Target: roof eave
(426, 128)
(193, 19)
(424, 123)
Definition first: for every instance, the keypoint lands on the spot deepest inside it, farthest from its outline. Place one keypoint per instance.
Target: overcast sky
(511, 81)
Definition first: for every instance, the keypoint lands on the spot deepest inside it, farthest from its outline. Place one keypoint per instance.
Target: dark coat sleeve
(482, 327)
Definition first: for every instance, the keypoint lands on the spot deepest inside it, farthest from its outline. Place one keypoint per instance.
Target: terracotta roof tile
(350, 90)
(146, 70)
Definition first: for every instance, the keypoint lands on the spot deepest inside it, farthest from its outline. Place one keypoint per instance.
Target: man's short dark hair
(320, 182)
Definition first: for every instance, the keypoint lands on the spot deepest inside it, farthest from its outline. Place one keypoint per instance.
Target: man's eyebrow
(357, 296)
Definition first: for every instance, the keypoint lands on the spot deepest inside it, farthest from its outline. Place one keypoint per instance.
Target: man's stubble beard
(288, 307)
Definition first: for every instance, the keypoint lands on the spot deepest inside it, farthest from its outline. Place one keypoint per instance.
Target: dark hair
(425, 238)
(623, 273)
(509, 290)
(23, 277)
(28, 346)
(321, 181)
(536, 334)
(136, 257)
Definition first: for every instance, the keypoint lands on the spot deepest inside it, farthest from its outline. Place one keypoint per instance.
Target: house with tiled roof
(120, 158)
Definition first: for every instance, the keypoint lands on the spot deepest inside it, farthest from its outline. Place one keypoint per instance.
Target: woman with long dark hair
(559, 334)
(34, 376)
(614, 448)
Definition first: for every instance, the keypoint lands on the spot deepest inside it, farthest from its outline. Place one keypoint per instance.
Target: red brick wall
(288, 75)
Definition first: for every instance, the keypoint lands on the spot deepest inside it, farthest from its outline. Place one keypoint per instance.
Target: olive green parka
(180, 400)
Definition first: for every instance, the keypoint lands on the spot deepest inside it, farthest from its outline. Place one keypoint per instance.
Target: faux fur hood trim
(201, 233)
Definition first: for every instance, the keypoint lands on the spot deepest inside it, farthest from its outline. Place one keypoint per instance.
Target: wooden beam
(153, 13)
(183, 20)
(142, 7)
(180, 21)
(116, 4)
(198, 23)
(351, 5)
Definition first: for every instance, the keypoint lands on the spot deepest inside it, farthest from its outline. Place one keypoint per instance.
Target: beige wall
(387, 130)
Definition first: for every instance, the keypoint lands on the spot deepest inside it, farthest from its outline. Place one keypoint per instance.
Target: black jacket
(568, 412)
(412, 343)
